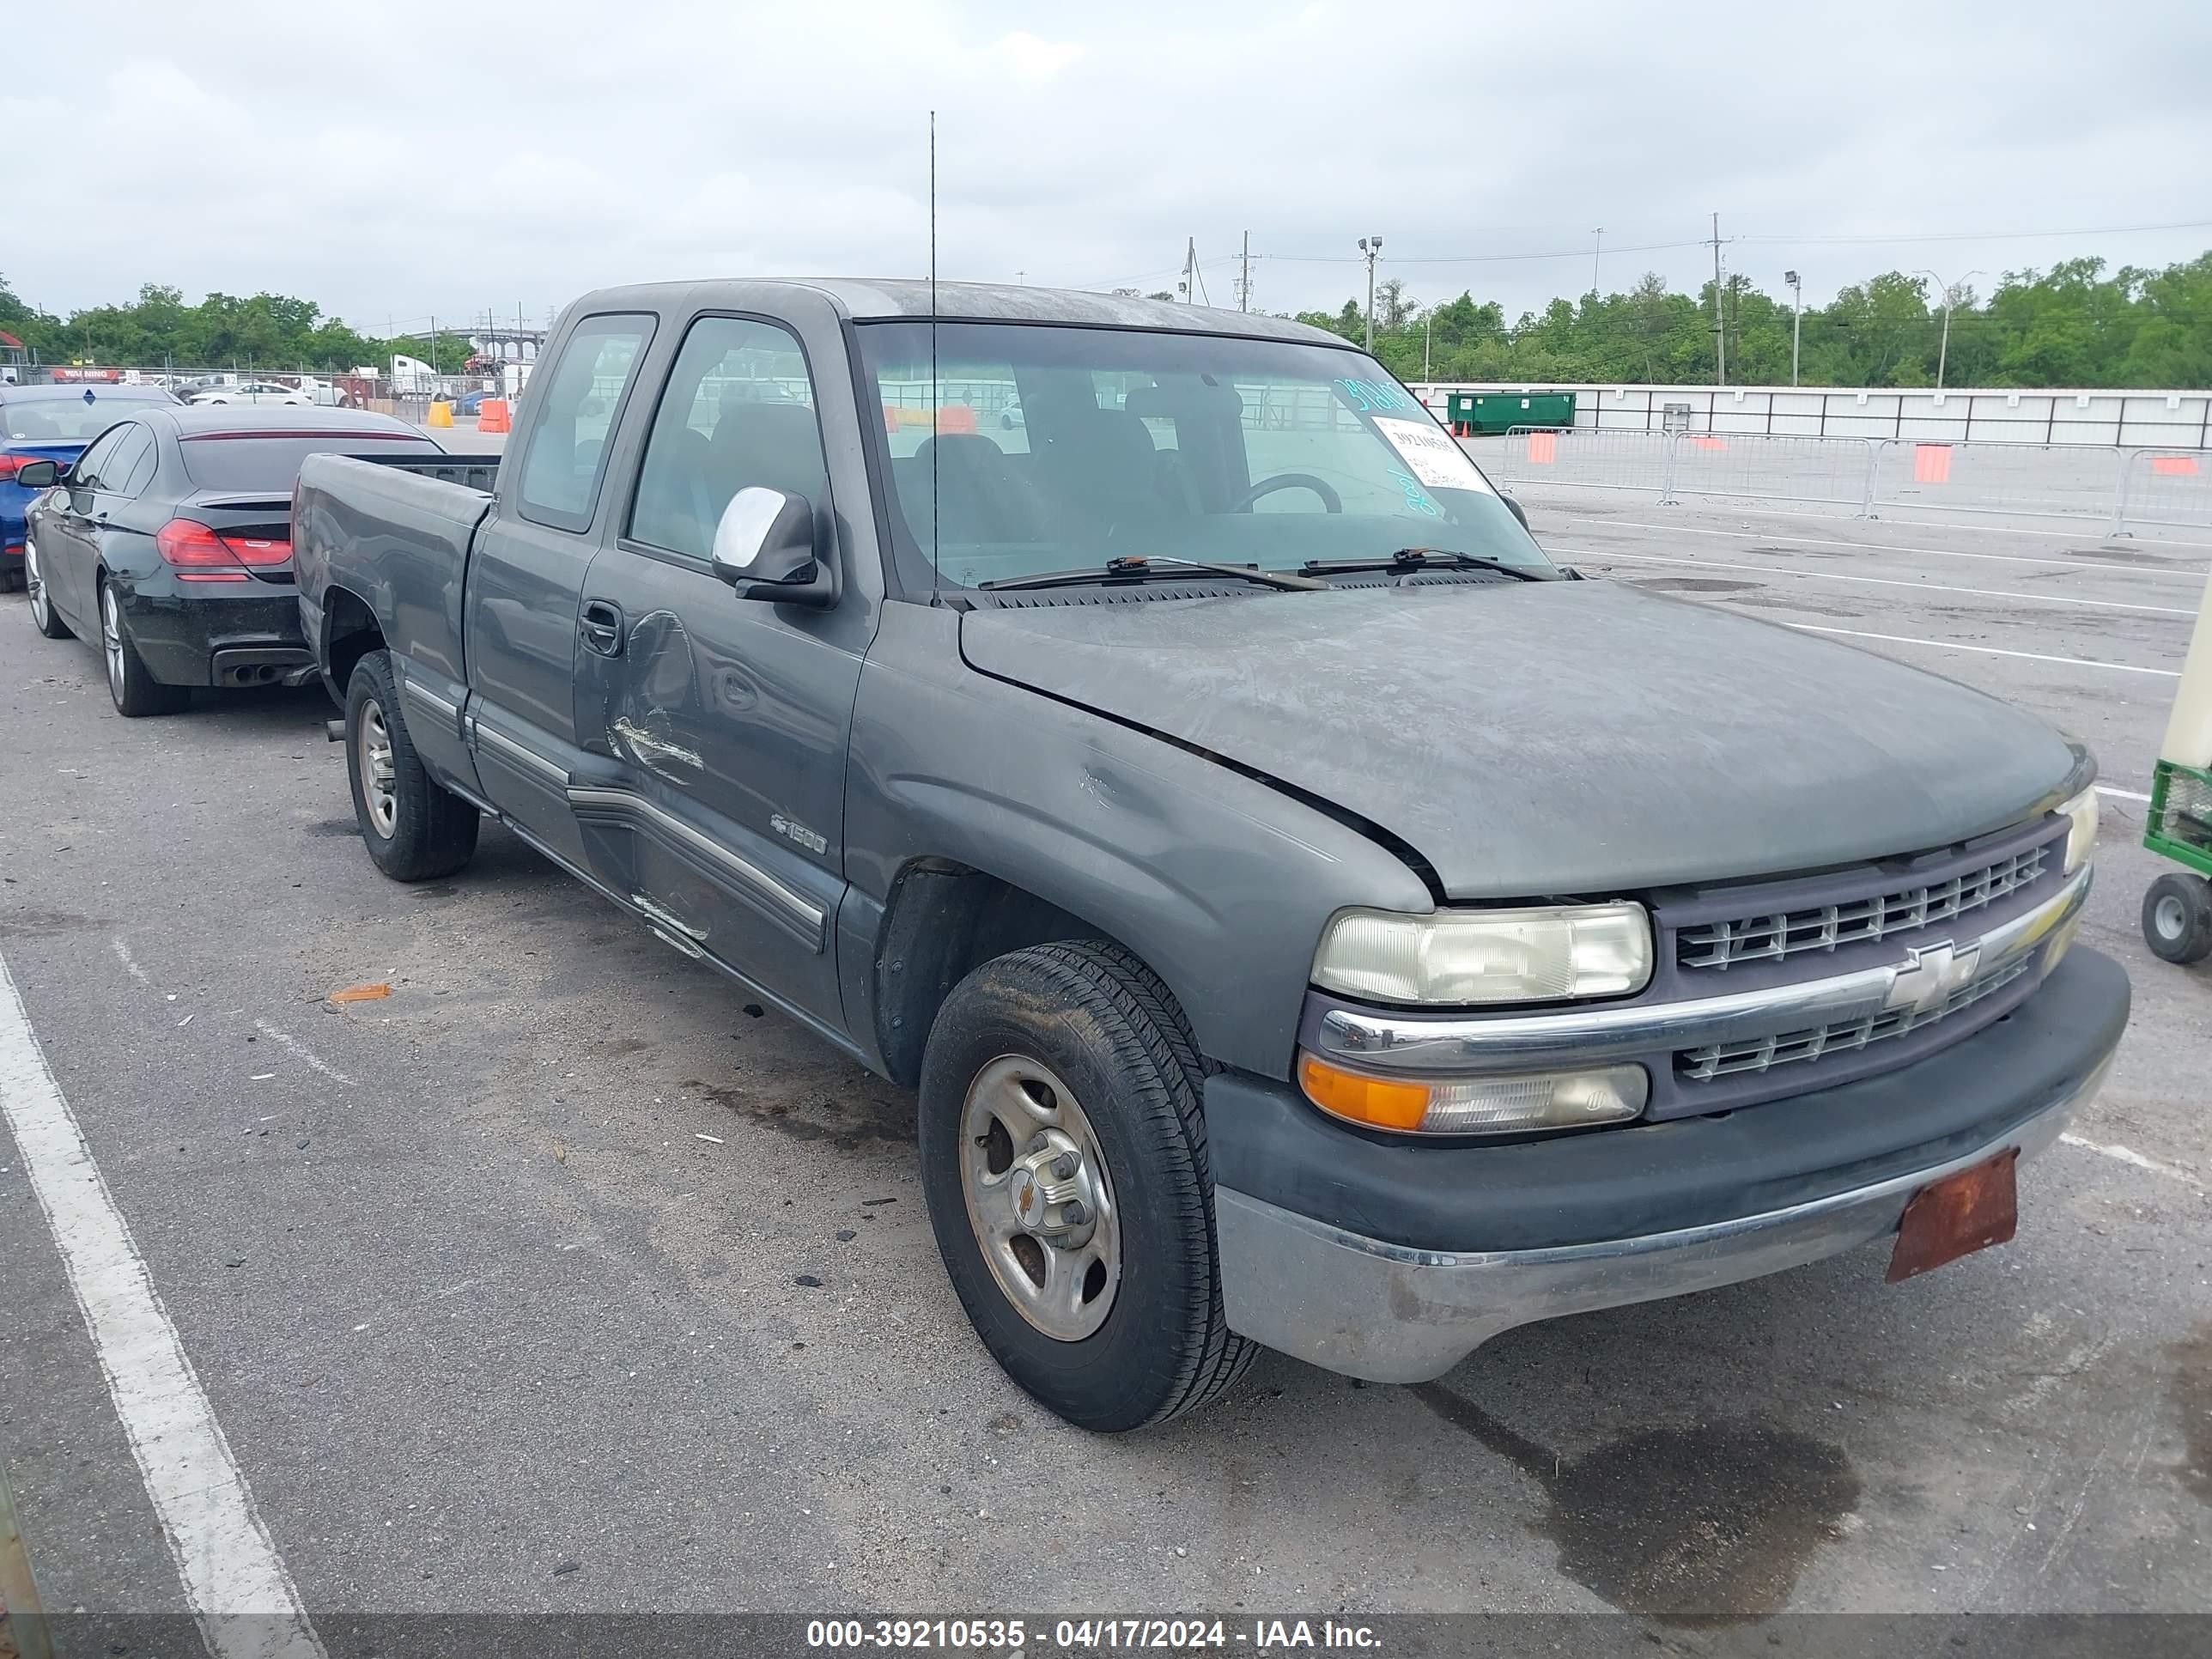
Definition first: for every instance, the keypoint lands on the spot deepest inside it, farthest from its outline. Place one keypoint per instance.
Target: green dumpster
(1485, 414)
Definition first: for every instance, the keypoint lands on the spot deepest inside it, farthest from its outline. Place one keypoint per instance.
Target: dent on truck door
(526, 580)
(727, 718)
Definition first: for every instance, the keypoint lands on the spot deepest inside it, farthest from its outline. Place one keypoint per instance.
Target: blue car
(51, 423)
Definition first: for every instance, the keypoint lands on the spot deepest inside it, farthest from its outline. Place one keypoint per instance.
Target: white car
(251, 392)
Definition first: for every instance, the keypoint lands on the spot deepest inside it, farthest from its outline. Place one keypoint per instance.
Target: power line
(1980, 235)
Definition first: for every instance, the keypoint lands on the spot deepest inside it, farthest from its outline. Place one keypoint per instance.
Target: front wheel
(43, 618)
(415, 830)
(2177, 918)
(1064, 1162)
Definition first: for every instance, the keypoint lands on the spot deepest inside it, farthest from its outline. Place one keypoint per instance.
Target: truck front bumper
(1394, 1262)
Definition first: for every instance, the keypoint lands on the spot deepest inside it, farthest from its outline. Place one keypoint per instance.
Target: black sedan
(169, 540)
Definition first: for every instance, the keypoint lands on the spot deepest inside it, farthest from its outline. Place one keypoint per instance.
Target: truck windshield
(1053, 448)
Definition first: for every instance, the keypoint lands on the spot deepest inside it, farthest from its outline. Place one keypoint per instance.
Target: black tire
(2177, 918)
(134, 691)
(43, 618)
(431, 832)
(1096, 1017)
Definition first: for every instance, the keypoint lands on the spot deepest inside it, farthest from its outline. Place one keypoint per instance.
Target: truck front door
(526, 580)
(727, 717)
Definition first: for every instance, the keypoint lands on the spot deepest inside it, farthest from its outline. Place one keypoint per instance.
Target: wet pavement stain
(1700, 1526)
(38, 924)
(1693, 585)
(2192, 1394)
(847, 1124)
(333, 829)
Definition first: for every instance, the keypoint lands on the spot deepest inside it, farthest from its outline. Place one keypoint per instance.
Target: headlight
(1478, 1105)
(2082, 837)
(1467, 957)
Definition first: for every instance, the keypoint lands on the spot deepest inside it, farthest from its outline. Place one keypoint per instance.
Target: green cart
(2177, 911)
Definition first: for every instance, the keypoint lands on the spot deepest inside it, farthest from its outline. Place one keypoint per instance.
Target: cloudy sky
(397, 161)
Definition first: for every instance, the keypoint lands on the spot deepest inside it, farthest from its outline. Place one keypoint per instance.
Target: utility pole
(1796, 318)
(1372, 247)
(1597, 249)
(1244, 281)
(1190, 271)
(1428, 324)
(1720, 317)
(1950, 291)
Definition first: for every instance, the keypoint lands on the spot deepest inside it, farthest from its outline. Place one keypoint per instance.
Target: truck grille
(1788, 1048)
(1776, 934)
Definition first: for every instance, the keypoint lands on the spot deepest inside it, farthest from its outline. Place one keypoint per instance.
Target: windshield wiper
(1149, 569)
(1408, 560)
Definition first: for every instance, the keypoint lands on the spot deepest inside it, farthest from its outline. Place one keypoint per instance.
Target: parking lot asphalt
(560, 1280)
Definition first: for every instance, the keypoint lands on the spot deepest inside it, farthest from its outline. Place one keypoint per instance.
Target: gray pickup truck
(1309, 917)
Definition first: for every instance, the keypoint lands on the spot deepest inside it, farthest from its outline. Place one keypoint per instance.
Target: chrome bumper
(1393, 1314)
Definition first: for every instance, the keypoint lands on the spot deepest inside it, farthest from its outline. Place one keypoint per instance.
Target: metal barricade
(2164, 487)
(1588, 460)
(2116, 489)
(1834, 472)
(2079, 481)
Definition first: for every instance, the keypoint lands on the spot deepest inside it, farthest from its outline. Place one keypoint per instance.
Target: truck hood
(1549, 738)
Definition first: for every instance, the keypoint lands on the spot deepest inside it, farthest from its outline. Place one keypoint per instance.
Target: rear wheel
(2177, 918)
(136, 692)
(1064, 1161)
(43, 618)
(415, 830)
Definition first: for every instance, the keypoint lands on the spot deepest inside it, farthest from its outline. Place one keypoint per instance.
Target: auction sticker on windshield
(1437, 461)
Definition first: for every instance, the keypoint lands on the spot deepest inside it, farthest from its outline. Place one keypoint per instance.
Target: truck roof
(873, 298)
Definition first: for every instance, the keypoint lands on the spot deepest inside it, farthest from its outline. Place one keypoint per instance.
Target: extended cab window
(738, 411)
(575, 408)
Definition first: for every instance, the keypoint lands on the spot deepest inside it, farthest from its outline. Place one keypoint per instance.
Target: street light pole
(1950, 291)
(1796, 318)
(1428, 324)
(1596, 250)
(1372, 247)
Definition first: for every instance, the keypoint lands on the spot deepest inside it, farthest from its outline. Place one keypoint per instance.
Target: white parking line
(234, 1582)
(1884, 581)
(2122, 794)
(2128, 1155)
(300, 1052)
(1986, 651)
(1890, 547)
(130, 962)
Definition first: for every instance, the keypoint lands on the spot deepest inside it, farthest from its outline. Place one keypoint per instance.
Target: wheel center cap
(1051, 1191)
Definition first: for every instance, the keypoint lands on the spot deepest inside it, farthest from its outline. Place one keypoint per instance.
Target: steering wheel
(1330, 500)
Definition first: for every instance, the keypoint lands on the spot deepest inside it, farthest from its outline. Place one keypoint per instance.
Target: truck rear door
(526, 580)
(727, 719)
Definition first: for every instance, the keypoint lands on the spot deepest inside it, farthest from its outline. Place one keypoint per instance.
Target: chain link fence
(2119, 491)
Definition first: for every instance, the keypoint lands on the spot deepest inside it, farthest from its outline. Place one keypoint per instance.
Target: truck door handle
(601, 627)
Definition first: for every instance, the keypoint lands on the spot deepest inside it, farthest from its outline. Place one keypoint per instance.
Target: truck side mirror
(1517, 510)
(765, 548)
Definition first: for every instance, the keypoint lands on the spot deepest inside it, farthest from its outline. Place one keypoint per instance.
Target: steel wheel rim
(379, 776)
(1039, 1198)
(2168, 917)
(111, 640)
(34, 584)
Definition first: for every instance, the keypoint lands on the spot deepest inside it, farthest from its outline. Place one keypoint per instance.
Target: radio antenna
(936, 404)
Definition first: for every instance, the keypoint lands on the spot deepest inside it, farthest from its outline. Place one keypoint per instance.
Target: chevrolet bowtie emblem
(1931, 974)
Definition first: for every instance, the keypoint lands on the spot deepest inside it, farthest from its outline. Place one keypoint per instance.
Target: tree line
(263, 331)
(2071, 325)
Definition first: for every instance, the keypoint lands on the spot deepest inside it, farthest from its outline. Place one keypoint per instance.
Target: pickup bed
(1308, 915)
